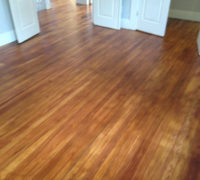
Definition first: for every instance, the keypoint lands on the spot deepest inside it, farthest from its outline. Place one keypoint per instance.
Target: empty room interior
(99, 89)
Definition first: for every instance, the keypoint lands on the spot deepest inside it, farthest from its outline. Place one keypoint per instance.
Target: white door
(107, 13)
(25, 18)
(153, 16)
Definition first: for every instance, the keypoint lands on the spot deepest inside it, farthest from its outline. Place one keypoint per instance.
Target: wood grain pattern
(85, 102)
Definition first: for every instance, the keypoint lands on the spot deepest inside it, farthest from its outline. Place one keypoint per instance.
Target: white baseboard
(86, 2)
(125, 23)
(7, 37)
(198, 42)
(185, 15)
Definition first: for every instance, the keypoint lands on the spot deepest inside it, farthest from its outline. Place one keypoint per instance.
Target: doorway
(144, 15)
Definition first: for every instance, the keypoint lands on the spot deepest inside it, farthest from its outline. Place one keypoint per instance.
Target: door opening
(150, 16)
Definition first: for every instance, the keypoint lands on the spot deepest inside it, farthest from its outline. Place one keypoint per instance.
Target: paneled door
(153, 16)
(107, 13)
(24, 13)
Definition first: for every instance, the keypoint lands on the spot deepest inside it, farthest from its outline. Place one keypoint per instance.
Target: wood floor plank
(80, 101)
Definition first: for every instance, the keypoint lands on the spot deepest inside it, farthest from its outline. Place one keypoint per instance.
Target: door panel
(107, 13)
(25, 19)
(153, 16)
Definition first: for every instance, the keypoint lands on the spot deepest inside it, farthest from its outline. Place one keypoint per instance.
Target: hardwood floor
(85, 102)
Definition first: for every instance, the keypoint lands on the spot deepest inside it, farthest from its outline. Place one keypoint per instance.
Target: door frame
(131, 23)
(134, 14)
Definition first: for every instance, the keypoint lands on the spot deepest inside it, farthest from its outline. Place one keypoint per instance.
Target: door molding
(131, 23)
(134, 14)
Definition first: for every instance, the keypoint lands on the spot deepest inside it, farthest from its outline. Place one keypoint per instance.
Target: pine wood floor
(85, 102)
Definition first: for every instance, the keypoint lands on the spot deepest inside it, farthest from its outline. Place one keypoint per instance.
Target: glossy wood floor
(86, 102)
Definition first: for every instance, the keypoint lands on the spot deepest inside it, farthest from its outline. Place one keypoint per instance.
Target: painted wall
(185, 9)
(7, 33)
(5, 17)
(186, 5)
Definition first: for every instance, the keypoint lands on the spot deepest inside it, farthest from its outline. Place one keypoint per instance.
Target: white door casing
(134, 14)
(131, 21)
(24, 14)
(107, 13)
(153, 16)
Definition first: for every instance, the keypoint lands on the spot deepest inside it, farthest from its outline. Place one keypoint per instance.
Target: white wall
(185, 9)
(5, 21)
(7, 34)
(188, 5)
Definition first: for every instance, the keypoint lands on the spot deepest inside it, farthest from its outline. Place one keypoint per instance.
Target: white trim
(85, 2)
(47, 4)
(7, 37)
(134, 14)
(125, 23)
(185, 15)
(198, 42)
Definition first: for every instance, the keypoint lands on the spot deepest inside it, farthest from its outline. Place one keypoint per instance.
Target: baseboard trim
(125, 23)
(85, 2)
(185, 15)
(7, 37)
